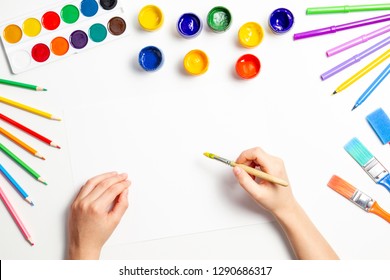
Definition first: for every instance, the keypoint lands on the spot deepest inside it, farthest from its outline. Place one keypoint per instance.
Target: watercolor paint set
(59, 31)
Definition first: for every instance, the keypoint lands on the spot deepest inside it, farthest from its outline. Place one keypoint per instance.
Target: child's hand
(272, 197)
(95, 213)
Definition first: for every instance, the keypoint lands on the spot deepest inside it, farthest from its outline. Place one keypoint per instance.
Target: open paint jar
(219, 19)
(150, 58)
(189, 25)
(248, 66)
(281, 21)
(196, 62)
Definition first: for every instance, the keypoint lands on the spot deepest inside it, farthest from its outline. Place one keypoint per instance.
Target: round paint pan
(281, 21)
(32, 27)
(219, 19)
(248, 66)
(150, 18)
(250, 34)
(116, 26)
(12, 34)
(40, 52)
(108, 4)
(196, 62)
(150, 58)
(78, 39)
(189, 25)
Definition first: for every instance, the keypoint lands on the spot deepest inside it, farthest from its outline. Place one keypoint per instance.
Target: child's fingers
(111, 193)
(100, 188)
(120, 206)
(91, 183)
(247, 182)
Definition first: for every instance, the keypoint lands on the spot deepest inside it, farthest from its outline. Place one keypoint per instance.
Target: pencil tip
(44, 89)
(354, 107)
(334, 92)
(32, 203)
(58, 147)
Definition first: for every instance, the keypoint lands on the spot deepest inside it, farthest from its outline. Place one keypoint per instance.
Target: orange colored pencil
(20, 143)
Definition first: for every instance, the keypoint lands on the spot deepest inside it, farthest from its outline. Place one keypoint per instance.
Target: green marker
(22, 164)
(21, 85)
(347, 9)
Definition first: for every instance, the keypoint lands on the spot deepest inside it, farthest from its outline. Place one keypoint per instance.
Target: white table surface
(308, 129)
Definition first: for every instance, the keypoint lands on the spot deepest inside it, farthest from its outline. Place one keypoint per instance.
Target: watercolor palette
(59, 31)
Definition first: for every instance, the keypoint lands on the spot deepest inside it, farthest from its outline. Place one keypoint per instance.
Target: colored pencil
(22, 164)
(370, 164)
(249, 170)
(363, 71)
(15, 185)
(21, 85)
(359, 40)
(347, 9)
(341, 27)
(372, 87)
(29, 131)
(19, 142)
(355, 59)
(28, 108)
(15, 216)
(357, 197)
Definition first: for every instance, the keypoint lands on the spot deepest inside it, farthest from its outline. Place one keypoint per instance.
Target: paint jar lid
(248, 66)
(219, 19)
(151, 18)
(250, 34)
(189, 25)
(196, 62)
(150, 58)
(281, 20)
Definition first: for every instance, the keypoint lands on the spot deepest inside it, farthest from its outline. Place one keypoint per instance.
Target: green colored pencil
(347, 9)
(22, 85)
(22, 164)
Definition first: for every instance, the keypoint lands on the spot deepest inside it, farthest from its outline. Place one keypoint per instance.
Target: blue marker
(372, 87)
(15, 184)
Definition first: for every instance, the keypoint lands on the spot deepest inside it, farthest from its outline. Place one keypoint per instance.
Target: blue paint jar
(189, 25)
(281, 21)
(150, 58)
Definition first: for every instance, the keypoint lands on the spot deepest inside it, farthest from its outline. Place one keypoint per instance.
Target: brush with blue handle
(368, 162)
(380, 123)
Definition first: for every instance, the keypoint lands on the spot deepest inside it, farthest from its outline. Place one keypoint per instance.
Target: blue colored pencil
(15, 185)
(372, 87)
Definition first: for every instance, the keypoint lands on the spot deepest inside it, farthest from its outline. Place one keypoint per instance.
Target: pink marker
(358, 40)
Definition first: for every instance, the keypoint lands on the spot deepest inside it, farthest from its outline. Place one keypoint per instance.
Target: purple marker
(358, 40)
(342, 27)
(355, 59)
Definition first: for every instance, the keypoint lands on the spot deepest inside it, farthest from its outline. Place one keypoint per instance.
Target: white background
(305, 125)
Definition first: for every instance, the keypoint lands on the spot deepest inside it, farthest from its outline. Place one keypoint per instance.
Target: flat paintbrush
(357, 197)
(252, 171)
(368, 162)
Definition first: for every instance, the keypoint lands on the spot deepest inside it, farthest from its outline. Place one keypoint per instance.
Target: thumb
(246, 181)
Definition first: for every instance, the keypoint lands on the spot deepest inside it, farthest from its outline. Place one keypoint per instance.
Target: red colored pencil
(29, 131)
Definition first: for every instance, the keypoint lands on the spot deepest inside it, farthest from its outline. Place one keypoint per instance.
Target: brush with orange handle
(357, 197)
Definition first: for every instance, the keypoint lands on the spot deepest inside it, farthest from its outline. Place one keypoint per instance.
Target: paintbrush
(249, 170)
(380, 123)
(368, 162)
(357, 197)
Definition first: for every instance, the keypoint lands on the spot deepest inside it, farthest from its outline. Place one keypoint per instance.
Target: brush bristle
(341, 186)
(209, 155)
(358, 151)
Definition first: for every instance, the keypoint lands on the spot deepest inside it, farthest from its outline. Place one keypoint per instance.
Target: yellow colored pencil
(28, 108)
(363, 71)
(19, 142)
